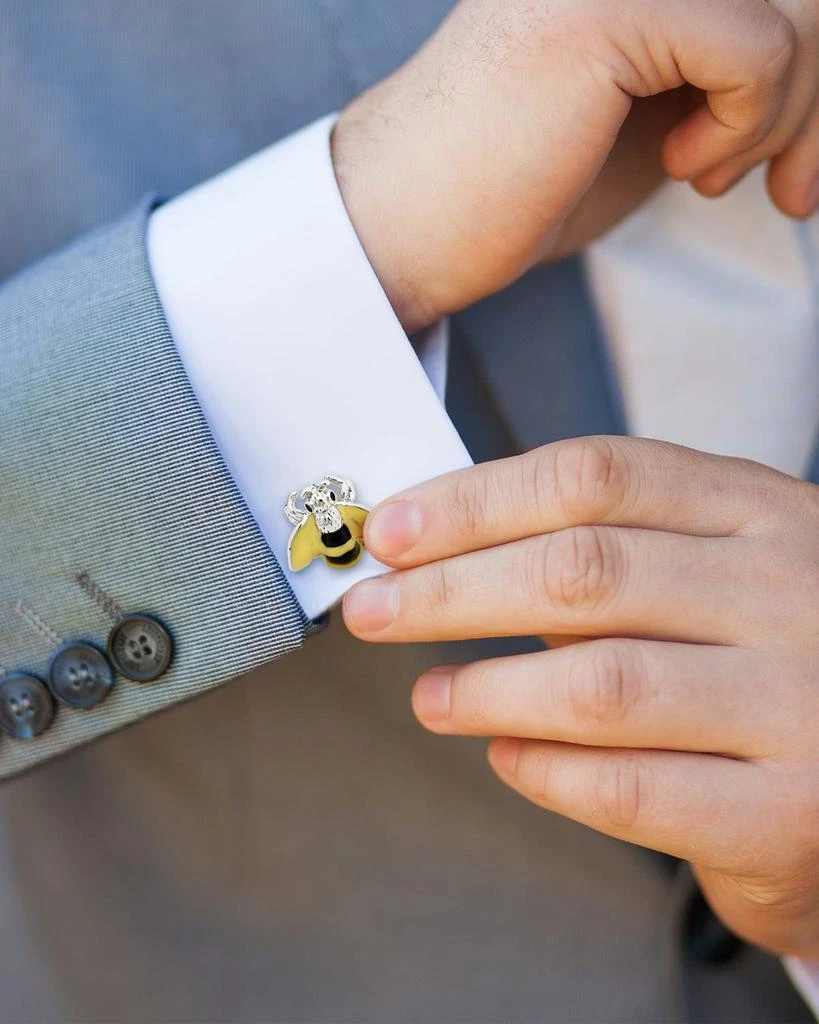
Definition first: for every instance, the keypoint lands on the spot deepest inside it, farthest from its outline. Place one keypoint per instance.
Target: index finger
(618, 481)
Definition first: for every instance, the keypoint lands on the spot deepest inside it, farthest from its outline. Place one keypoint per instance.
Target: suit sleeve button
(80, 676)
(26, 708)
(140, 648)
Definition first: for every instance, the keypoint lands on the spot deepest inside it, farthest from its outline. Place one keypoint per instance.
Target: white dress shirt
(294, 352)
(302, 368)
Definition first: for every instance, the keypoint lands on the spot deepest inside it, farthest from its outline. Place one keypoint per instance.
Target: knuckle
(775, 898)
(440, 589)
(468, 505)
(619, 792)
(776, 48)
(470, 700)
(778, 44)
(765, 66)
(603, 686)
(589, 477)
(580, 568)
(537, 777)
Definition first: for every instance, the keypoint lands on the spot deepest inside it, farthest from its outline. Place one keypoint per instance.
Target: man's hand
(460, 170)
(687, 720)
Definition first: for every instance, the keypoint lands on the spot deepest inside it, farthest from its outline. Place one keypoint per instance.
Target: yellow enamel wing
(328, 524)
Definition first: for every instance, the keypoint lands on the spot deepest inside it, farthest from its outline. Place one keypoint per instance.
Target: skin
(681, 712)
(678, 706)
(522, 129)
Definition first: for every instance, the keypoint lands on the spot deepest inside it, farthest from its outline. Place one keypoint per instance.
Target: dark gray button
(80, 676)
(26, 707)
(140, 648)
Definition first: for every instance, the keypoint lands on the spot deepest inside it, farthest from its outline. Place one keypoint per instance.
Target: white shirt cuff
(293, 350)
(805, 976)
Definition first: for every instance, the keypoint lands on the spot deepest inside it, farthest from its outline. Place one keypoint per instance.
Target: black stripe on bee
(337, 538)
(348, 556)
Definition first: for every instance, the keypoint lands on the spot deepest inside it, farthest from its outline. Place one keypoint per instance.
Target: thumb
(742, 56)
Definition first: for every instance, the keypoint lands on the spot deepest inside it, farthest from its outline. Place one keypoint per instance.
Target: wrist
(375, 197)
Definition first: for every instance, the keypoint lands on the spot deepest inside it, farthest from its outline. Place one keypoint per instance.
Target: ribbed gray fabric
(129, 488)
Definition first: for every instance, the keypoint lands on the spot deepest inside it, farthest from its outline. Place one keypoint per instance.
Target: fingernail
(372, 605)
(431, 695)
(393, 528)
(504, 754)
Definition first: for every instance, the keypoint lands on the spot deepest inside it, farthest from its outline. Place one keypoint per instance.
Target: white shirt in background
(710, 309)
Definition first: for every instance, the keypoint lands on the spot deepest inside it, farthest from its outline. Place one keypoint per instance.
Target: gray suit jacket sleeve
(114, 498)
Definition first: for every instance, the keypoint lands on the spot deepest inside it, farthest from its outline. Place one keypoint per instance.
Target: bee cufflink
(328, 524)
